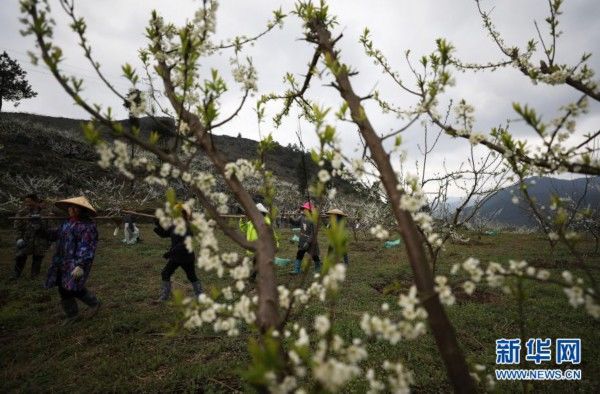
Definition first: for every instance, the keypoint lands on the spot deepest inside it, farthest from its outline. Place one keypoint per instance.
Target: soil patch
(391, 286)
(480, 295)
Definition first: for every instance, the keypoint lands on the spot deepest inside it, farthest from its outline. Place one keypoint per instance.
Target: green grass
(129, 347)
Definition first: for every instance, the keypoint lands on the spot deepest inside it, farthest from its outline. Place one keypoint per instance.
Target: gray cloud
(117, 28)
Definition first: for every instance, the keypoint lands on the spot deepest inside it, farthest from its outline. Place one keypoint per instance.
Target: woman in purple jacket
(76, 241)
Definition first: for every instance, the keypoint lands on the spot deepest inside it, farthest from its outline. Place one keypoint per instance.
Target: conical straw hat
(80, 201)
(336, 211)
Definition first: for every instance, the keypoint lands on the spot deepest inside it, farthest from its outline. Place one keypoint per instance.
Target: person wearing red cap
(308, 240)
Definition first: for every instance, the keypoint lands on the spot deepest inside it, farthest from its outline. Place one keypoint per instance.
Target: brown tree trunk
(443, 331)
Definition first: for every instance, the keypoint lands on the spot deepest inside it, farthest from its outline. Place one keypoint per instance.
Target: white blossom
(324, 176)
(444, 291)
(469, 287)
(379, 232)
(322, 324)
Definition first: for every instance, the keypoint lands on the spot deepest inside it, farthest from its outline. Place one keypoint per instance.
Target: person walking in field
(30, 236)
(338, 218)
(76, 241)
(177, 256)
(308, 240)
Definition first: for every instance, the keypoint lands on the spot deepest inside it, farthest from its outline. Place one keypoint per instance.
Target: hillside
(500, 208)
(49, 155)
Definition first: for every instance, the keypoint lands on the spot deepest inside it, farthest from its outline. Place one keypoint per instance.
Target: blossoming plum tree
(286, 356)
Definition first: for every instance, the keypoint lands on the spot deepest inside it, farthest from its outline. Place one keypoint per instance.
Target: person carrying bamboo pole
(76, 241)
(30, 236)
(177, 256)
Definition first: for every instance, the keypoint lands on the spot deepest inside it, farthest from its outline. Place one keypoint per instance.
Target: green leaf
(154, 137)
(90, 133)
(171, 196)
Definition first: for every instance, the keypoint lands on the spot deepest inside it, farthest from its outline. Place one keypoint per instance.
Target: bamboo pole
(144, 215)
(141, 214)
(59, 217)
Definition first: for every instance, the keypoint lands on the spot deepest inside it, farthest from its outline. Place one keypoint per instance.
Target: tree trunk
(443, 331)
(268, 306)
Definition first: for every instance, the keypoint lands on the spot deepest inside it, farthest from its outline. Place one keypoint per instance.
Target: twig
(224, 385)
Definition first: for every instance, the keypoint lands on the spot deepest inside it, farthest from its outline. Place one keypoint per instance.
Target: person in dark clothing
(76, 242)
(30, 236)
(308, 242)
(177, 256)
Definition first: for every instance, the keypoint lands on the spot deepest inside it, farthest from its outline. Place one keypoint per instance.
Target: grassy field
(130, 345)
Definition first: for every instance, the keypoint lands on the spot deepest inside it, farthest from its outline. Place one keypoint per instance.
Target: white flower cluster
(242, 169)
(476, 138)
(464, 113)
(205, 19)
(324, 176)
(322, 324)
(495, 276)
(205, 182)
(556, 78)
(167, 170)
(358, 168)
(106, 155)
(137, 103)
(332, 362)
(399, 379)
(410, 327)
(336, 161)
(244, 74)
(444, 290)
(578, 296)
(331, 193)
(284, 296)
(143, 162)
(379, 232)
(413, 198)
(224, 317)
(329, 283)
(412, 203)
(425, 223)
(116, 155)
(478, 373)
(333, 373)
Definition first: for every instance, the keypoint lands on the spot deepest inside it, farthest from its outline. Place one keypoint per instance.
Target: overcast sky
(116, 31)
